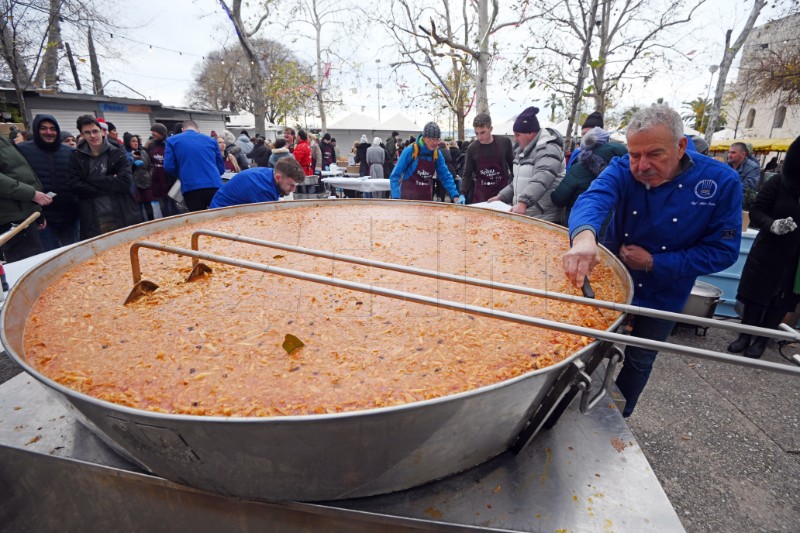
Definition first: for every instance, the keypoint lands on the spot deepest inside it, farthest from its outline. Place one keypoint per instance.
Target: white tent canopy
(355, 121)
(724, 134)
(400, 124)
(349, 129)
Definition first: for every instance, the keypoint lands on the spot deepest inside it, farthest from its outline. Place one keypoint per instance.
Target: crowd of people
(667, 210)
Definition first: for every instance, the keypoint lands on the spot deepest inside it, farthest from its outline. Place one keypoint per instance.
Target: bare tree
(317, 14)
(221, 81)
(450, 45)
(47, 76)
(624, 39)
(775, 70)
(19, 45)
(257, 67)
(737, 101)
(727, 59)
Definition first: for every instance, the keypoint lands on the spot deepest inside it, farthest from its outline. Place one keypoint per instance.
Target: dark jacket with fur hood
(768, 275)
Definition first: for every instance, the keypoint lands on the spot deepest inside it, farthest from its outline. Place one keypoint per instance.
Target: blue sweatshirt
(691, 225)
(195, 159)
(249, 186)
(406, 166)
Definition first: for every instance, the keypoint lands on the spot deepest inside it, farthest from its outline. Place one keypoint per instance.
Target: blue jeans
(639, 361)
(58, 234)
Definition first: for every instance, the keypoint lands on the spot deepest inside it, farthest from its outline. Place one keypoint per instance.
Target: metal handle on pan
(588, 402)
(588, 299)
(143, 287)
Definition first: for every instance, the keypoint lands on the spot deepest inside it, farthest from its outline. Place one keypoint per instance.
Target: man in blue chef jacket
(259, 184)
(676, 215)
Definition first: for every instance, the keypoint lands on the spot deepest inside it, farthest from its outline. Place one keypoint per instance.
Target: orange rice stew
(214, 346)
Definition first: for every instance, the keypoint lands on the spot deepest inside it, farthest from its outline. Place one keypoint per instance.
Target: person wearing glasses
(100, 176)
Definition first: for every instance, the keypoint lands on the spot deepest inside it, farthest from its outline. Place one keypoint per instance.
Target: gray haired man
(676, 215)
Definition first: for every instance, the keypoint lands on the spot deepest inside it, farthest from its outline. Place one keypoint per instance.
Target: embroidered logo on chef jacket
(705, 189)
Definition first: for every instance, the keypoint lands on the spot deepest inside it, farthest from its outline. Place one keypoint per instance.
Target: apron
(420, 185)
(491, 176)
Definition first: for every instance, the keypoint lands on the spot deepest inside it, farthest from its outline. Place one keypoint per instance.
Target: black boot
(757, 348)
(739, 345)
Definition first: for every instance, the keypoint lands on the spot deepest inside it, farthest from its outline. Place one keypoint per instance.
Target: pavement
(723, 440)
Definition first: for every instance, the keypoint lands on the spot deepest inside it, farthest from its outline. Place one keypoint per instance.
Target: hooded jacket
(278, 154)
(243, 142)
(103, 185)
(18, 184)
(302, 152)
(50, 162)
(768, 274)
(538, 170)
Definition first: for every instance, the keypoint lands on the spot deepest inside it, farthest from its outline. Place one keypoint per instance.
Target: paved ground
(723, 440)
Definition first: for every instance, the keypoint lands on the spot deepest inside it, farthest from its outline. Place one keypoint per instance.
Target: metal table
(585, 474)
(361, 184)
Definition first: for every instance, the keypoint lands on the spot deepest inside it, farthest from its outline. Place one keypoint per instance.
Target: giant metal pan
(317, 457)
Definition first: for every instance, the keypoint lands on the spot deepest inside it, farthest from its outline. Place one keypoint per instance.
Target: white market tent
(691, 132)
(724, 134)
(349, 129)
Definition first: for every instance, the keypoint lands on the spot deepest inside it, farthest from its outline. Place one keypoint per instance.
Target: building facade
(762, 117)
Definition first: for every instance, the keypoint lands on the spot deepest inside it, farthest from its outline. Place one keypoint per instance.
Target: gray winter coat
(538, 169)
(375, 158)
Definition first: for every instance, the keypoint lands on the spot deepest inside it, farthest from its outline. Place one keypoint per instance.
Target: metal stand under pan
(587, 473)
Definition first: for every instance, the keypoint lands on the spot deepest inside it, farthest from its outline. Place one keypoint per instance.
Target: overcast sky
(189, 29)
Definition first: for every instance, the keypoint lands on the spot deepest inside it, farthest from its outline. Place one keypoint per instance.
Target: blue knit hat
(527, 122)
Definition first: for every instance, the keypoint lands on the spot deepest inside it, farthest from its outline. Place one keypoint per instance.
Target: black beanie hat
(594, 120)
(791, 163)
(527, 122)
(160, 129)
(327, 137)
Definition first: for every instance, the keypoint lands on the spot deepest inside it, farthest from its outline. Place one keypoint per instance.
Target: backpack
(415, 153)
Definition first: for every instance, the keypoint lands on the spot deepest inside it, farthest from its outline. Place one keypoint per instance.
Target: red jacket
(302, 152)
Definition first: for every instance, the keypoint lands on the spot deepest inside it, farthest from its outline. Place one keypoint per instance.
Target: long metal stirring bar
(456, 306)
(623, 308)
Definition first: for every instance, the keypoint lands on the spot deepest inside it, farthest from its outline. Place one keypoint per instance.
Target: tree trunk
(321, 76)
(72, 66)
(47, 77)
(97, 83)
(727, 60)
(599, 72)
(576, 95)
(257, 68)
(481, 94)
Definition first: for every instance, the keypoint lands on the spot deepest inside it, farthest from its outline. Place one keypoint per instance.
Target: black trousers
(199, 199)
(24, 244)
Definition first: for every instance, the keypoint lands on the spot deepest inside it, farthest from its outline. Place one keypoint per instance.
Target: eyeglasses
(91, 133)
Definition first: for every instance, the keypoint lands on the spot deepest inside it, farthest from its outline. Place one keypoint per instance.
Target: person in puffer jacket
(49, 158)
(538, 169)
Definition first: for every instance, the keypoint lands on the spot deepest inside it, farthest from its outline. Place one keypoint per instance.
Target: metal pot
(316, 457)
(703, 300)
